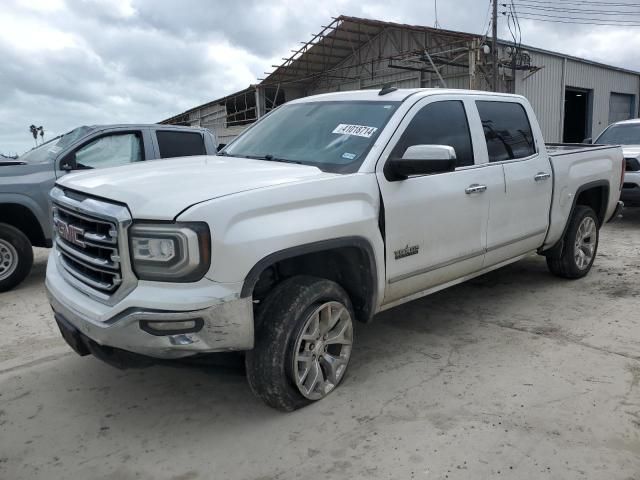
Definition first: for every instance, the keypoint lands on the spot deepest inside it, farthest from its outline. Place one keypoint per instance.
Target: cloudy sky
(64, 63)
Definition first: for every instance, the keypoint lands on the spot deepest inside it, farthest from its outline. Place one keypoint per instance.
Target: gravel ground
(516, 374)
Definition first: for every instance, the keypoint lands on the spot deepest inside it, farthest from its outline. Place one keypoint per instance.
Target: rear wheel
(16, 257)
(580, 245)
(303, 343)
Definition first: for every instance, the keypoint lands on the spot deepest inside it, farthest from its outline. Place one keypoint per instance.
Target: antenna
(435, 8)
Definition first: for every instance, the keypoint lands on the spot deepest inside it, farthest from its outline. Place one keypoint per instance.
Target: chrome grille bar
(91, 245)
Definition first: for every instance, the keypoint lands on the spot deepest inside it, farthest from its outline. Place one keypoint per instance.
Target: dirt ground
(516, 374)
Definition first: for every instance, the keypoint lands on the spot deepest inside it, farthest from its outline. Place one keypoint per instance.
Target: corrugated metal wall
(545, 91)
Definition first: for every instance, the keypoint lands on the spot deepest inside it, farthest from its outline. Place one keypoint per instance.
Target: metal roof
(342, 37)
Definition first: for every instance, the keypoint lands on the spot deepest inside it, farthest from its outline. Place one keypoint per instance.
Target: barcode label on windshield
(357, 130)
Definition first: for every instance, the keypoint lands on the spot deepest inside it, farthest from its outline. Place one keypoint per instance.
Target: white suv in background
(626, 134)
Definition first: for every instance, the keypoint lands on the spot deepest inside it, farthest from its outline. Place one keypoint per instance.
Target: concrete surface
(514, 375)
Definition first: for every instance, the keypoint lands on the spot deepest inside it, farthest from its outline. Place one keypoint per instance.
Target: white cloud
(74, 62)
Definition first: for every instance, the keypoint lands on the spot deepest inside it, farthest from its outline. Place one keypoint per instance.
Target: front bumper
(631, 188)
(225, 322)
(631, 196)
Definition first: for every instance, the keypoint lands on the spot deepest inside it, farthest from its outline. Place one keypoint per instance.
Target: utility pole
(494, 45)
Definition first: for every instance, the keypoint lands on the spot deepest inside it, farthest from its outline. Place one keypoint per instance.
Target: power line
(575, 10)
(570, 17)
(577, 21)
(581, 3)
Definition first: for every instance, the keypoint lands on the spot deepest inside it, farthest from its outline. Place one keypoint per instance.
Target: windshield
(333, 136)
(621, 134)
(51, 148)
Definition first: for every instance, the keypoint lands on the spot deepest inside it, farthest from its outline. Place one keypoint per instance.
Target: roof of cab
(397, 95)
(631, 120)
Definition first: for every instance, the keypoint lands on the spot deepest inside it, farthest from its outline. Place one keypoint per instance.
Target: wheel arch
(349, 261)
(24, 219)
(592, 194)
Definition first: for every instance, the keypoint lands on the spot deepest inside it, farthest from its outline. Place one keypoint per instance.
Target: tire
(290, 351)
(16, 257)
(579, 250)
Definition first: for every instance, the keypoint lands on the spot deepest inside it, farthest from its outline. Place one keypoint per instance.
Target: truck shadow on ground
(203, 390)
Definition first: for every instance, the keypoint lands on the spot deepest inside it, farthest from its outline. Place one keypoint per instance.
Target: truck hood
(161, 189)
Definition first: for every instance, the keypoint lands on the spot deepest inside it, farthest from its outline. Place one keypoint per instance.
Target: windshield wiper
(271, 158)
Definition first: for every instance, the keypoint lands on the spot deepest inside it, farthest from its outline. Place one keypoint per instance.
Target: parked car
(328, 210)
(627, 134)
(25, 182)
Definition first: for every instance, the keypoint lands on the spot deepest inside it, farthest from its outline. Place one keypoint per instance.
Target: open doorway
(577, 115)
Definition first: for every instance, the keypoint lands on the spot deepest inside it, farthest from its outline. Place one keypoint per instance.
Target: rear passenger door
(519, 216)
(179, 143)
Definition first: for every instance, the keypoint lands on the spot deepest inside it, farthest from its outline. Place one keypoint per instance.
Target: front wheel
(580, 245)
(16, 257)
(303, 345)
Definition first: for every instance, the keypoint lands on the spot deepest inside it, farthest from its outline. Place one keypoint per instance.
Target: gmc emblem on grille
(70, 233)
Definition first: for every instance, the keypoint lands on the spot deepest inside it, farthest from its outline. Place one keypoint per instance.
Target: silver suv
(25, 182)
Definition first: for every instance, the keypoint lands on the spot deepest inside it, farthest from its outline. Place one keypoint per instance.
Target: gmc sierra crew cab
(328, 210)
(25, 182)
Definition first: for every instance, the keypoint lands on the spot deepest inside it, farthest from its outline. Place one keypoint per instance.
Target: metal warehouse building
(574, 98)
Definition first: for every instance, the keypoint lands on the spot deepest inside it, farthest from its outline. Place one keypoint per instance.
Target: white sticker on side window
(357, 130)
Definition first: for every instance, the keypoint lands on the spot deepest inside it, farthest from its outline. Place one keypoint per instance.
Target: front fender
(250, 226)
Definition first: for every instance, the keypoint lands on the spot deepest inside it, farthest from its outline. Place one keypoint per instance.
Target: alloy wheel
(585, 245)
(323, 350)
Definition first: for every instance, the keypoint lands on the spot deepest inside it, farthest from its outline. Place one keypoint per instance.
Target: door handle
(541, 176)
(475, 188)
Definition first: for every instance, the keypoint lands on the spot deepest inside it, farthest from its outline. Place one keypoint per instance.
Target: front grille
(88, 248)
(632, 164)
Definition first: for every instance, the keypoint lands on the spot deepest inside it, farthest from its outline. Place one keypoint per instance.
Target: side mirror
(68, 163)
(588, 141)
(421, 160)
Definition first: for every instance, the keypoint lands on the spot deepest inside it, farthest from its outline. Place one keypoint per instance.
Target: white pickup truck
(330, 209)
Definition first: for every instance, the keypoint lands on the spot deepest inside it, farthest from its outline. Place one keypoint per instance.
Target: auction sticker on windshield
(357, 130)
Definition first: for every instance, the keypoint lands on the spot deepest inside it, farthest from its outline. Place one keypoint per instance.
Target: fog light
(171, 327)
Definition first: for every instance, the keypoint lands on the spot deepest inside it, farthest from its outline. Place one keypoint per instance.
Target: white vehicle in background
(328, 210)
(627, 134)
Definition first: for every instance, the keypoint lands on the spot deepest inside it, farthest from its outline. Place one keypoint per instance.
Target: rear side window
(439, 123)
(507, 130)
(180, 144)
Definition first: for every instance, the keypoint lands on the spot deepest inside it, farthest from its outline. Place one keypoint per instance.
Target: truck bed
(557, 149)
(576, 166)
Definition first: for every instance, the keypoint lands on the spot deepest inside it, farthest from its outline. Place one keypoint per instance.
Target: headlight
(170, 252)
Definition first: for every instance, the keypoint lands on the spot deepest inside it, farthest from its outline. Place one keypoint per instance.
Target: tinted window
(506, 130)
(439, 123)
(110, 151)
(180, 144)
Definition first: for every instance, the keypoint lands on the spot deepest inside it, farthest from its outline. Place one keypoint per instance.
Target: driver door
(436, 225)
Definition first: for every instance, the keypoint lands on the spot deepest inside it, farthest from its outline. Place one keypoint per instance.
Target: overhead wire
(579, 21)
(580, 11)
(582, 3)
